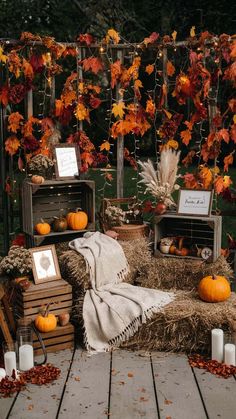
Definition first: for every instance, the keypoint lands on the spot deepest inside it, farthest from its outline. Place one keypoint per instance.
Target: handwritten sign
(194, 202)
(67, 164)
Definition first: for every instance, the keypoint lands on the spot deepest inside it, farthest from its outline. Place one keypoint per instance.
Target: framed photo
(194, 202)
(67, 161)
(45, 264)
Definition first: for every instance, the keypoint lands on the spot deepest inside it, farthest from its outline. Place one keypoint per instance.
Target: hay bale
(177, 273)
(184, 325)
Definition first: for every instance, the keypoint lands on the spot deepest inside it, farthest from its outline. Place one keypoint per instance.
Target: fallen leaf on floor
(168, 417)
(77, 378)
(30, 407)
(114, 372)
(143, 399)
(168, 401)
(130, 374)
(121, 383)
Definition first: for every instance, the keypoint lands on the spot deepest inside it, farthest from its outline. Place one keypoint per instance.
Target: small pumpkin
(172, 249)
(77, 220)
(37, 179)
(42, 228)
(46, 322)
(214, 289)
(59, 224)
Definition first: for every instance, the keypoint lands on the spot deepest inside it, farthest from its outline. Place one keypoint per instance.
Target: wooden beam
(120, 143)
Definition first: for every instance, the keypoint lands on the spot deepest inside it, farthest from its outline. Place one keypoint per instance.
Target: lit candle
(26, 357)
(10, 362)
(229, 358)
(217, 344)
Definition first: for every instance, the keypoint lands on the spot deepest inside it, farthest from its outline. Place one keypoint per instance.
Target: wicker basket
(130, 231)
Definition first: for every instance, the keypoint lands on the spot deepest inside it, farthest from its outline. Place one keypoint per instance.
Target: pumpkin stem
(42, 221)
(214, 276)
(78, 209)
(45, 314)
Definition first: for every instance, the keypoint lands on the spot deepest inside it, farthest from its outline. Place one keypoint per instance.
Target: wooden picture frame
(67, 161)
(195, 202)
(45, 264)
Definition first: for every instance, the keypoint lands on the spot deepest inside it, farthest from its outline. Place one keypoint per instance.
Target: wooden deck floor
(125, 385)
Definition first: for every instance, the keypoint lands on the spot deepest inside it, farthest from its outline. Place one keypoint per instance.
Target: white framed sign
(194, 202)
(45, 265)
(67, 161)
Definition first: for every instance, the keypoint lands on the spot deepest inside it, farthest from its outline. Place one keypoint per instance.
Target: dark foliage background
(133, 19)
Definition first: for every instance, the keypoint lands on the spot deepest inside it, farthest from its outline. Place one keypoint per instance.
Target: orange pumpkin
(37, 179)
(214, 288)
(42, 228)
(77, 220)
(46, 322)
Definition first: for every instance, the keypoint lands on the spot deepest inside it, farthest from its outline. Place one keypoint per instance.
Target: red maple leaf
(85, 38)
(92, 64)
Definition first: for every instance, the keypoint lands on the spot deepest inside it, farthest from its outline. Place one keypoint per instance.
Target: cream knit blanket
(113, 310)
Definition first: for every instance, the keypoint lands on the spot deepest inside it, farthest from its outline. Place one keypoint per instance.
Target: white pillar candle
(10, 362)
(26, 357)
(229, 358)
(2, 373)
(217, 345)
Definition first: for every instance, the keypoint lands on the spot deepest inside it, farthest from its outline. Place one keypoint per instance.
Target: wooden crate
(202, 231)
(60, 338)
(55, 198)
(57, 293)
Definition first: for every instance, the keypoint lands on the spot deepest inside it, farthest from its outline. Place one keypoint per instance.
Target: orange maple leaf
(150, 108)
(190, 181)
(189, 158)
(87, 158)
(105, 146)
(14, 120)
(151, 39)
(172, 144)
(3, 57)
(27, 128)
(170, 68)
(221, 183)
(116, 72)
(186, 136)
(112, 35)
(149, 69)
(4, 95)
(69, 97)
(59, 107)
(12, 144)
(189, 125)
(228, 160)
(206, 177)
(224, 133)
(27, 69)
(92, 64)
(118, 109)
(138, 84)
(134, 68)
(81, 112)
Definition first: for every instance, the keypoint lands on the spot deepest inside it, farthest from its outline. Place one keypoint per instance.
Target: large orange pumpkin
(214, 288)
(77, 220)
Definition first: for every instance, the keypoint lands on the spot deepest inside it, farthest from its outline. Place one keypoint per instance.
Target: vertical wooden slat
(5, 198)
(120, 143)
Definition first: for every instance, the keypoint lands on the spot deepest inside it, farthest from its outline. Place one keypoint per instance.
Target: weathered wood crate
(201, 231)
(55, 198)
(28, 303)
(57, 293)
(60, 338)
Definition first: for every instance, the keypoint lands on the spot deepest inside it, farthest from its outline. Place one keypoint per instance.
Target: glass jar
(25, 348)
(9, 353)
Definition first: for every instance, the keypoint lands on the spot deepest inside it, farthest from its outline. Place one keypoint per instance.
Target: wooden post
(3, 194)
(120, 144)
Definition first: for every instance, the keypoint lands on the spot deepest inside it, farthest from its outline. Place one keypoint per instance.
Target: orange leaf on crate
(170, 68)
(186, 136)
(228, 160)
(12, 144)
(221, 183)
(14, 121)
(118, 109)
(112, 35)
(92, 64)
(149, 69)
(105, 146)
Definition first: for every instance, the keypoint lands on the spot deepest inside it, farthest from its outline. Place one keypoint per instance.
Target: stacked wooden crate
(55, 198)
(200, 230)
(28, 303)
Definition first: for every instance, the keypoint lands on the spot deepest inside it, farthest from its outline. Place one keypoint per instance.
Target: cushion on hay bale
(183, 325)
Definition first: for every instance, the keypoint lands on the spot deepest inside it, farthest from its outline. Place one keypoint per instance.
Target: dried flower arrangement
(115, 216)
(161, 182)
(41, 165)
(18, 262)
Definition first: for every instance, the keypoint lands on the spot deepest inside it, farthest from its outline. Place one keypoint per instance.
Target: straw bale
(184, 325)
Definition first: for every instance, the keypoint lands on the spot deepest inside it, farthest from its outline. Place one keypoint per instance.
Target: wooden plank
(55, 340)
(218, 394)
(54, 306)
(43, 401)
(87, 389)
(5, 406)
(69, 328)
(177, 392)
(132, 390)
(56, 348)
(56, 312)
(44, 301)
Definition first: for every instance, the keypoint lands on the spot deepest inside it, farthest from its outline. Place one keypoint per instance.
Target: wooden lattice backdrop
(113, 99)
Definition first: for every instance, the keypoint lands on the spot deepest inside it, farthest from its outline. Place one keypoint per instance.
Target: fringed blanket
(112, 310)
